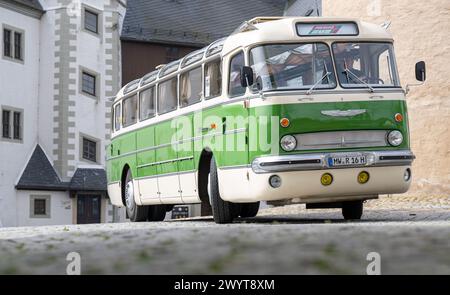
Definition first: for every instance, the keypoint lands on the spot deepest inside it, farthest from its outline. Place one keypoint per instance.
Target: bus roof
(262, 30)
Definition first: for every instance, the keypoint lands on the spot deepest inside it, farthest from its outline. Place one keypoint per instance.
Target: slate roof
(192, 22)
(89, 180)
(39, 174)
(34, 4)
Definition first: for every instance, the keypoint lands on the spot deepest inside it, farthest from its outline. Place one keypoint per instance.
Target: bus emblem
(348, 113)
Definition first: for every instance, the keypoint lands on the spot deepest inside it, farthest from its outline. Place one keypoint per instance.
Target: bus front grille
(341, 140)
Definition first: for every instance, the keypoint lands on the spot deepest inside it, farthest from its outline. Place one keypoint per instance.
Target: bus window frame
(118, 104)
(237, 52)
(174, 75)
(363, 86)
(210, 60)
(299, 43)
(190, 68)
(130, 95)
(148, 87)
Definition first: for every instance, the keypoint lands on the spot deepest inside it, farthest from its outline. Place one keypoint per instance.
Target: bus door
(167, 167)
(185, 163)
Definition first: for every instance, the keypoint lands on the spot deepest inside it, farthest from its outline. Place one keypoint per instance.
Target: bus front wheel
(352, 210)
(135, 213)
(249, 209)
(223, 211)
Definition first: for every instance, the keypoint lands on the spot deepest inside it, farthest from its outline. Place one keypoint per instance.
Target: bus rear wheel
(157, 212)
(249, 209)
(352, 210)
(135, 213)
(223, 211)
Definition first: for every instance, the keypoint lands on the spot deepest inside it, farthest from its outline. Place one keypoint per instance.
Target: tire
(135, 213)
(157, 212)
(223, 211)
(352, 210)
(249, 209)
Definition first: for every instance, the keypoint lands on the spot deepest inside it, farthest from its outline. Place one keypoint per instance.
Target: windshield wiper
(309, 92)
(371, 89)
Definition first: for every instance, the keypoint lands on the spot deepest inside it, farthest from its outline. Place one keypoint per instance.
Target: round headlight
(288, 143)
(395, 138)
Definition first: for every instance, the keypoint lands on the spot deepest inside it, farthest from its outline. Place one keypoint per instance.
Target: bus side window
(129, 111)
(235, 88)
(191, 87)
(213, 79)
(167, 96)
(117, 117)
(147, 104)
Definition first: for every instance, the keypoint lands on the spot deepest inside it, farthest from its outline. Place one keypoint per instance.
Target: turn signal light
(326, 179)
(398, 117)
(363, 177)
(285, 122)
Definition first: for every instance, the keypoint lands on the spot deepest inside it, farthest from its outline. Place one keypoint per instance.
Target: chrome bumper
(320, 161)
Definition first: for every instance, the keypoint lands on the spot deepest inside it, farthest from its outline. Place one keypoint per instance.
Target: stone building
(59, 66)
(420, 30)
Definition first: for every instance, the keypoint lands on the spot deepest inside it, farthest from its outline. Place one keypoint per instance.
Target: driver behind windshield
(346, 57)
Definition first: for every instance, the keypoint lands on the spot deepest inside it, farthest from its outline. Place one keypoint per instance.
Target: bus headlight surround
(395, 138)
(288, 143)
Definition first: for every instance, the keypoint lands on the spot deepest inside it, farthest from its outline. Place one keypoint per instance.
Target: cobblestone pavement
(411, 237)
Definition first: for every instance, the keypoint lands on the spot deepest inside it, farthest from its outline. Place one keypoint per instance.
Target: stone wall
(420, 29)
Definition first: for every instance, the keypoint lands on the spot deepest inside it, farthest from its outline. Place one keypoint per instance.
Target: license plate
(353, 160)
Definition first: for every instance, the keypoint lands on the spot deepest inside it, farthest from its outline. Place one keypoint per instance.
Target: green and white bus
(284, 108)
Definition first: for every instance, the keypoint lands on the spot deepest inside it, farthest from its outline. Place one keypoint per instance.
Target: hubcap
(129, 194)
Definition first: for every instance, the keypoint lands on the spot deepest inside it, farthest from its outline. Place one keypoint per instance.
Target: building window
(88, 84)
(7, 42)
(13, 44)
(17, 122)
(40, 206)
(12, 124)
(89, 150)
(17, 46)
(6, 127)
(91, 21)
(172, 54)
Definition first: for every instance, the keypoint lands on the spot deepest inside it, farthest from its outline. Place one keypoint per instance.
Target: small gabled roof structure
(39, 174)
(89, 179)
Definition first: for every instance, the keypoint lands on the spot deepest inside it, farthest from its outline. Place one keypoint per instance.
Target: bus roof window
(133, 85)
(215, 47)
(149, 78)
(170, 68)
(193, 58)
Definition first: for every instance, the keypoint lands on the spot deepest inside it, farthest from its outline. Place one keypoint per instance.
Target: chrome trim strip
(165, 162)
(234, 167)
(164, 175)
(192, 139)
(319, 161)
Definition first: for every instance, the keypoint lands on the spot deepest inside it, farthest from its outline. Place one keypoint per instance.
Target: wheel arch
(123, 177)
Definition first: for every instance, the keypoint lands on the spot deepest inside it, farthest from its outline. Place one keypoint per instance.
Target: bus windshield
(292, 66)
(361, 65)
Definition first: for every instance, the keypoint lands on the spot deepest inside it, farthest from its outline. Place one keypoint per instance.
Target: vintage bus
(283, 108)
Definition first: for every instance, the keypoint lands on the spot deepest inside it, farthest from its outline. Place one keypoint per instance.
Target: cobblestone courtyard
(412, 237)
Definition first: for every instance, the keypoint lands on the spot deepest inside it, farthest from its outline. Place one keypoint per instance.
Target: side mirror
(421, 71)
(246, 76)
